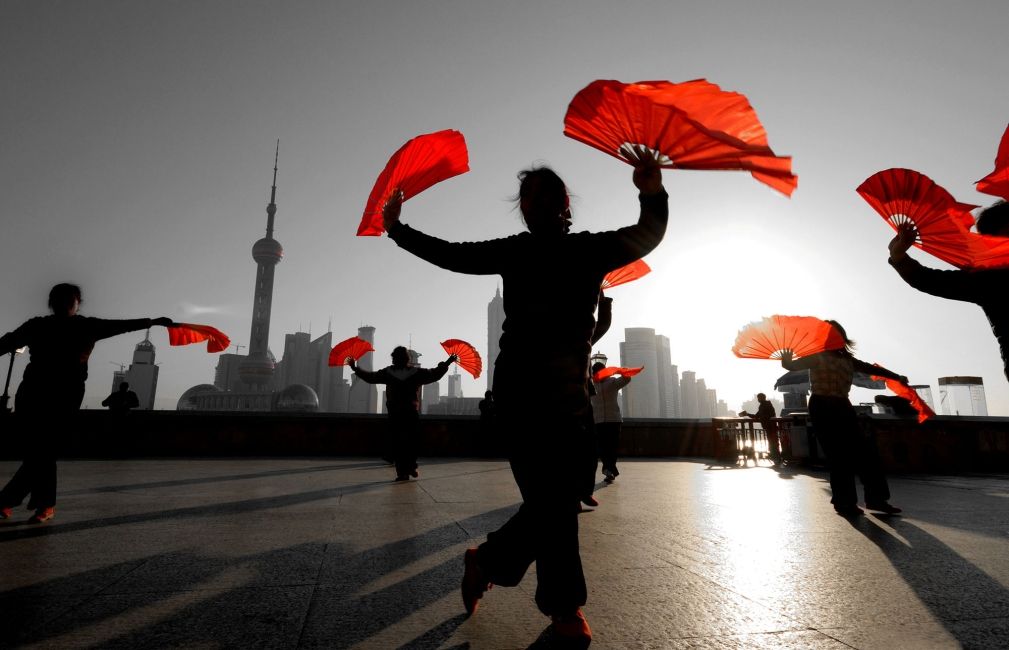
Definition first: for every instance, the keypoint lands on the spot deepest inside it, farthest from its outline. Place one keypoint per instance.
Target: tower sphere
(267, 251)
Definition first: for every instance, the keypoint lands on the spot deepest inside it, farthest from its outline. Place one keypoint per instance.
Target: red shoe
(6, 513)
(590, 501)
(474, 583)
(573, 629)
(41, 515)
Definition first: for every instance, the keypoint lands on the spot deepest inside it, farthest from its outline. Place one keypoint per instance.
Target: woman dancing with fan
(836, 426)
(52, 389)
(983, 287)
(551, 288)
(402, 400)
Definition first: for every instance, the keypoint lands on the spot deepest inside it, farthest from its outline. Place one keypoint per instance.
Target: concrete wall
(942, 445)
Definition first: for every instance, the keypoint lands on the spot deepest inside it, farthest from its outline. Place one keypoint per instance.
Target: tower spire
(271, 209)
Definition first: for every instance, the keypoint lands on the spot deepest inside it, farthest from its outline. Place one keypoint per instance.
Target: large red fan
(469, 358)
(901, 389)
(803, 335)
(624, 274)
(694, 125)
(354, 347)
(613, 370)
(187, 333)
(997, 182)
(904, 195)
(419, 164)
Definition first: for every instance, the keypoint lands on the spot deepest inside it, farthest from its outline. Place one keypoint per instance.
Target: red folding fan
(901, 389)
(354, 347)
(613, 370)
(187, 333)
(624, 274)
(469, 358)
(693, 125)
(904, 195)
(803, 335)
(997, 182)
(419, 164)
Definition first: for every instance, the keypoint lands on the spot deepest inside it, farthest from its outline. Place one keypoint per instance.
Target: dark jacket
(59, 348)
(985, 288)
(402, 392)
(551, 289)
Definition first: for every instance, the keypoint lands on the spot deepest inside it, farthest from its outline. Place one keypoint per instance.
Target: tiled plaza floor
(329, 553)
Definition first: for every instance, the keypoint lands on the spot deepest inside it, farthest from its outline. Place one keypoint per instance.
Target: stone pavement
(329, 553)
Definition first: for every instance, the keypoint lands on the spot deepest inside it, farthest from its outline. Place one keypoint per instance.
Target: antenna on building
(330, 330)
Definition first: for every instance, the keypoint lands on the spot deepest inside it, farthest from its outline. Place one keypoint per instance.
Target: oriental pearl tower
(256, 370)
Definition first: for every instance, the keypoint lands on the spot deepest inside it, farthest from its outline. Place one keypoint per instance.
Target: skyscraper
(364, 396)
(256, 370)
(653, 393)
(688, 394)
(495, 323)
(455, 384)
(962, 396)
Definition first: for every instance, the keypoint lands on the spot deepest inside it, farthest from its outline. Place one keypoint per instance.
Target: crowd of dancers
(551, 287)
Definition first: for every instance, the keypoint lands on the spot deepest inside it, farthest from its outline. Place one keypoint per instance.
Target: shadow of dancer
(970, 604)
(551, 285)
(51, 391)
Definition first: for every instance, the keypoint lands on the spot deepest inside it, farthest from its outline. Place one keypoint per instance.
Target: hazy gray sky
(137, 153)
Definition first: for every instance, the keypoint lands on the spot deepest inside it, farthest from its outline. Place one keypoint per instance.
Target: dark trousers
(609, 438)
(850, 452)
(40, 418)
(36, 476)
(549, 473)
(404, 433)
(771, 431)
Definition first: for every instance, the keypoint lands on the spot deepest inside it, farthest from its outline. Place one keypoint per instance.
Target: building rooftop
(331, 553)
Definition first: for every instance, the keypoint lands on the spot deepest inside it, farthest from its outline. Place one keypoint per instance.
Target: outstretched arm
(970, 286)
(475, 258)
(367, 376)
(631, 243)
(879, 371)
(102, 328)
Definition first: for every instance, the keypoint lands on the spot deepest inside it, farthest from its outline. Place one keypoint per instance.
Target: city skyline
(141, 137)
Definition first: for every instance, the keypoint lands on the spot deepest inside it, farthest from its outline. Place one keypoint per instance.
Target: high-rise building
(688, 395)
(256, 370)
(455, 384)
(962, 396)
(654, 392)
(307, 362)
(430, 395)
(364, 396)
(925, 393)
(495, 327)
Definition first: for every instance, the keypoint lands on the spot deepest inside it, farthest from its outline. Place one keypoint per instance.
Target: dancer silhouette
(551, 285)
(52, 389)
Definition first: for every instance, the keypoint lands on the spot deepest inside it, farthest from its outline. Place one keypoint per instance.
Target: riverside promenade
(330, 553)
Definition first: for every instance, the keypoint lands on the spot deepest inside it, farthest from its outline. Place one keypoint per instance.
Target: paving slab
(331, 553)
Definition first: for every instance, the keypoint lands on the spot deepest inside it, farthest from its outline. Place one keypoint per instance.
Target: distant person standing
(122, 400)
(402, 401)
(52, 389)
(606, 413)
(765, 415)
